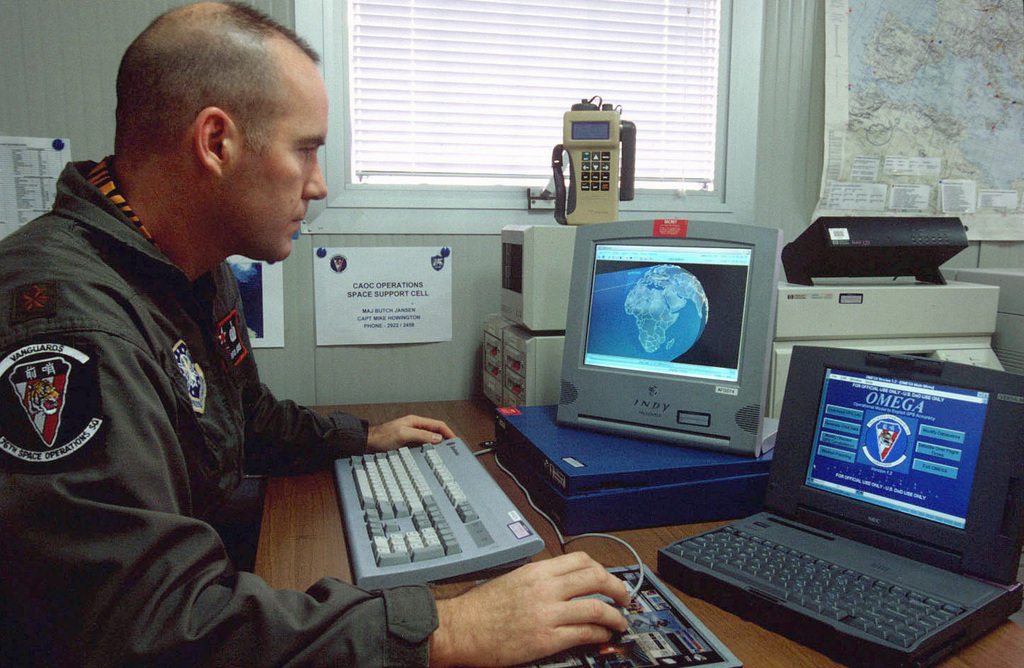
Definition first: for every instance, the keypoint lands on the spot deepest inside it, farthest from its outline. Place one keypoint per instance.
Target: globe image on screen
(670, 308)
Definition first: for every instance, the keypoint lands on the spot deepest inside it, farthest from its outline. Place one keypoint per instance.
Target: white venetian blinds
(473, 91)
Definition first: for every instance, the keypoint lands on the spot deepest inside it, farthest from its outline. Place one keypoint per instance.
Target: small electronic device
(668, 333)
(600, 174)
(858, 246)
(425, 514)
(894, 511)
(536, 263)
(532, 364)
(662, 632)
(492, 367)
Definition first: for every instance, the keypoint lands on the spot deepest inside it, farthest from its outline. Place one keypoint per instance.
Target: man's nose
(316, 187)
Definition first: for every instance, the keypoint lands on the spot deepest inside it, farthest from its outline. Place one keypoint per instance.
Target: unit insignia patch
(48, 402)
(229, 334)
(193, 374)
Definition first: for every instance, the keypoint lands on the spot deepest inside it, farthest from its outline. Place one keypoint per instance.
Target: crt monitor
(668, 332)
(536, 261)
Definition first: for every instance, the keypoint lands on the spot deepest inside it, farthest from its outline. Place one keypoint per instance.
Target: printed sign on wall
(382, 295)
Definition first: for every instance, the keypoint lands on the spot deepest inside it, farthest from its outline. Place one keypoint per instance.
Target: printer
(1008, 340)
(954, 321)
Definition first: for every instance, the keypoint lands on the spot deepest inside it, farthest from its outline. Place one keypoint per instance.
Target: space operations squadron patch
(48, 402)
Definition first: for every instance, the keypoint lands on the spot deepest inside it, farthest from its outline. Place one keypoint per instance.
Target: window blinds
(473, 91)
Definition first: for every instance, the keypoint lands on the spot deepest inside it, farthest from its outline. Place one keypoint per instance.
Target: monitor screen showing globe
(668, 309)
(668, 332)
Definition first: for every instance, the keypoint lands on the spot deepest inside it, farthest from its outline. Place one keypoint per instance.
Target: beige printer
(953, 322)
(1008, 341)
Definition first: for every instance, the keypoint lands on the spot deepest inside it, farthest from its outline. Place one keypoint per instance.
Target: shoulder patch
(193, 374)
(35, 300)
(229, 334)
(48, 402)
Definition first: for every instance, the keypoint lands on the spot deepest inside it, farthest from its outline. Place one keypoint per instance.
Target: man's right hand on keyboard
(530, 613)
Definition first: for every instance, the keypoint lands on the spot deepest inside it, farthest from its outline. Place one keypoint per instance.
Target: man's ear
(217, 140)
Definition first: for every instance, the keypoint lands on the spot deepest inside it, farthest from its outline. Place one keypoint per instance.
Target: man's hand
(528, 614)
(408, 429)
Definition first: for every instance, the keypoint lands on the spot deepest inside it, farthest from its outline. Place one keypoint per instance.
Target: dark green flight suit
(129, 400)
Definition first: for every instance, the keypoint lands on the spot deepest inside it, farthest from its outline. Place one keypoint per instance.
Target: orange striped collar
(101, 176)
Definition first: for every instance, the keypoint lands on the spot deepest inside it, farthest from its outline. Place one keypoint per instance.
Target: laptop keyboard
(882, 609)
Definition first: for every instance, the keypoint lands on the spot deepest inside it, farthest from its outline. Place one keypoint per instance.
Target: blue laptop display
(903, 445)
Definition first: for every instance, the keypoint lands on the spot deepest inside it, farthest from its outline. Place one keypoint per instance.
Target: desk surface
(301, 540)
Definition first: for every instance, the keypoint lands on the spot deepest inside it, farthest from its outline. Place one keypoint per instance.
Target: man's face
(273, 187)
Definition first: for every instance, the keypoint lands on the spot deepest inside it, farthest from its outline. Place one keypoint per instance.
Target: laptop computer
(893, 516)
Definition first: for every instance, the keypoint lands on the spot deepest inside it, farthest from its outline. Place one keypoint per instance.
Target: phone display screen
(596, 130)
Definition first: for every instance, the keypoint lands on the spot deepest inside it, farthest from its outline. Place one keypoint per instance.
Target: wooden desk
(301, 540)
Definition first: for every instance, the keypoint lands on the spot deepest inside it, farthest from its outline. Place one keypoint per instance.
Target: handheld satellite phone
(601, 174)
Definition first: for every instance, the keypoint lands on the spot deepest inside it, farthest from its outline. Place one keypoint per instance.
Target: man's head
(208, 54)
(220, 115)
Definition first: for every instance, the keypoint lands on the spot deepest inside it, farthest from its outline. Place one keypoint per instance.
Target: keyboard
(427, 513)
(890, 614)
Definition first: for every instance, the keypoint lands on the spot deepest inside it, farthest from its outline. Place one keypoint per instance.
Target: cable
(561, 539)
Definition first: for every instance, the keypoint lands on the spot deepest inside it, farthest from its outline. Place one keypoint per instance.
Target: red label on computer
(510, 411)
(671, 227)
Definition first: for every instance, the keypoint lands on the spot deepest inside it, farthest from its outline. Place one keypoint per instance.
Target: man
(127, 393)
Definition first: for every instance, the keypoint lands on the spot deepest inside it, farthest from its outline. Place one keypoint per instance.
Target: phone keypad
(595, 170)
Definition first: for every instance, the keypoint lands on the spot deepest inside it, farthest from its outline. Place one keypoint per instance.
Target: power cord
(488, 448)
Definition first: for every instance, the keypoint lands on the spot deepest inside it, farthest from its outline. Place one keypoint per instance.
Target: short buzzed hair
(194, 57)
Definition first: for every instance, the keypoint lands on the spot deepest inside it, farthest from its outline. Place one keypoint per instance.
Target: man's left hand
(408, 429)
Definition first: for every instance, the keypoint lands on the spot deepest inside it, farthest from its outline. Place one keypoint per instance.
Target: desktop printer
(952, 322)
(1008, 340)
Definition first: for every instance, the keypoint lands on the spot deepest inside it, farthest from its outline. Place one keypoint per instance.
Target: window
(456, 104)
(473, 91)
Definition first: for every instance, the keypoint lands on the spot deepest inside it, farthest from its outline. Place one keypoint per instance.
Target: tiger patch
(43, 402)
(56, 416)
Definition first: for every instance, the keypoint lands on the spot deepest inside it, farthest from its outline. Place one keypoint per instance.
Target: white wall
(59, 64)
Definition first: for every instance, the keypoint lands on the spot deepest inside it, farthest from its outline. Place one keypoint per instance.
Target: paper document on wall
(382, 295)
(29, 169)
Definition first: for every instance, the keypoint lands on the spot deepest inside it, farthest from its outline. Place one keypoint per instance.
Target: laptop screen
(898, 444)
